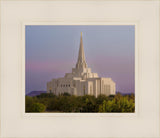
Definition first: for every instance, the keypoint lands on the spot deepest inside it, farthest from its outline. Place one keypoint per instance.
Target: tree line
(48, 102)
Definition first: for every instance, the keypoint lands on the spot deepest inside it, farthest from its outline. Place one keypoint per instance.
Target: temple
(82, 81)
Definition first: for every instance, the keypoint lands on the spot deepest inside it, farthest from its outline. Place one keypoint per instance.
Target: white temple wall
(83, 88)
(91, 86)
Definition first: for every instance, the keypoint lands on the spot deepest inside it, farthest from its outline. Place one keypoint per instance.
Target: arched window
(90, 89)
(50, 91)
(84, 89)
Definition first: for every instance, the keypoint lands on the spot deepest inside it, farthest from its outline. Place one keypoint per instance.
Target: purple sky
(52, 51)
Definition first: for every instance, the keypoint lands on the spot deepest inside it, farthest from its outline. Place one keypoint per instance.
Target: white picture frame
(16, 14)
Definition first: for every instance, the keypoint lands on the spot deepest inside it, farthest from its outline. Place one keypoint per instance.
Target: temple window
(91, 89)
(50, 91)
(84, 89)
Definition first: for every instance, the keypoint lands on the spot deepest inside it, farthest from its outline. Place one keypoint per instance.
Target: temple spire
(81, 62)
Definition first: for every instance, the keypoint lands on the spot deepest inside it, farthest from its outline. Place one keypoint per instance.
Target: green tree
(125, 105)
(102, 107)
(87, 103)
(38, 107)
(46, 95)
(66, 94)
(118, 104)
(28, 103)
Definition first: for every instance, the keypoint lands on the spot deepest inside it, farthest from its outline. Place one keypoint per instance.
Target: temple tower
(81, 62)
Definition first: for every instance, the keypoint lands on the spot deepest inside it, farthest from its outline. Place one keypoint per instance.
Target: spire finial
(81, 63)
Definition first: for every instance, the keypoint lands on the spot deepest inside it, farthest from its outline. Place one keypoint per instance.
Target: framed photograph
(79, 68)
(110, 52)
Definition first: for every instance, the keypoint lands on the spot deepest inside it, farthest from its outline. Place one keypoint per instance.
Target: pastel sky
(52, 51)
